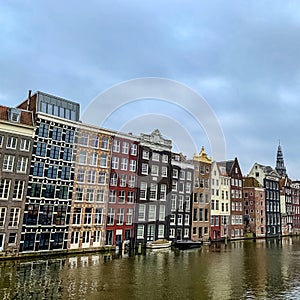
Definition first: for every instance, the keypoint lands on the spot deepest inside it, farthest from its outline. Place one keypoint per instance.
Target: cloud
(242, 57)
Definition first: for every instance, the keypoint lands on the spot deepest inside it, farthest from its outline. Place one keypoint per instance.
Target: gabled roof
(228, 165)
(251, 182)
(268, 170)
(26, 117)
(222, 168)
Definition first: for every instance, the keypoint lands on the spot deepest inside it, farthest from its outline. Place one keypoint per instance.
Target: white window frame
(143, 190)
(104, 142)
(130, 197)
(93, 159)
(81, 175)
(124, 163)
(123, 180)
(172, 233)
(8, 163)
(189, 175)
(122, 197)
(111, 214)
(142, 212)
(180, 202)
(162, 213)
(115, 163)
(125, 147)
(131, 181)
(163, 192)
(90, 193)
(4, 188)
(112, 196)
(146, 154)
(18, 190)
(140, 231)
(164, 171)
(100, 195)
(174, 185)
(103, 158)
(133, 149)
(154, 170)
(155, 156)
(152, 213)
(120, 216)
(14, 217)
(153, 191)
(173, 202)
(82, 158)
(84, 139)
(2, 216)
(188, 187)
(129, 216)
(22, 164)
(11, 142)
(182, 174)
(187, 219)
(114, 179)
(77, 216)
(165, 158)
(102, 178)
(179, 219)
(144, 169)
(132, 166)
(79, 193)
(86, 237)
(116, 146)
(186, 232)
(91, 176)
(172, 219)
(25, 145)
(175, 173)
(161, 231)
(95, 141)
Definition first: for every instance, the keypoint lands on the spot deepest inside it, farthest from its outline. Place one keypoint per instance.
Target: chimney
(28, 99)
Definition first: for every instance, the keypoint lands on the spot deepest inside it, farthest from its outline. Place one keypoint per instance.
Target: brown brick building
(236, 227)
(16, 132)
(254, 207)
(202, 195)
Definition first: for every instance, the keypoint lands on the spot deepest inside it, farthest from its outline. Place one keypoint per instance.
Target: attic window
(14, 115)
(177, 158)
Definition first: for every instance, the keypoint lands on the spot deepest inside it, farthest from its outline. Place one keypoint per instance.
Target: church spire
(280, 168)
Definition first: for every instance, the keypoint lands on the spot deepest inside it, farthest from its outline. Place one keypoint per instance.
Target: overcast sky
(242, 57)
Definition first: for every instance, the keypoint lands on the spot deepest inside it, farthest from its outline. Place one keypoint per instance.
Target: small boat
(159, 244)
(187, 244)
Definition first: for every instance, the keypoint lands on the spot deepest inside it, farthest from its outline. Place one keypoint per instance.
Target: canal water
(241, 270)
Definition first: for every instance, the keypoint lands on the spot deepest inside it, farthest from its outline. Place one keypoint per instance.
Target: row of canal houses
(68, 185)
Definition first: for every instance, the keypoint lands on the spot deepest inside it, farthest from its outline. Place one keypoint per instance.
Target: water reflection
(240, 270)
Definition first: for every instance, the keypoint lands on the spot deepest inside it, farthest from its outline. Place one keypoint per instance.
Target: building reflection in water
(241, 270)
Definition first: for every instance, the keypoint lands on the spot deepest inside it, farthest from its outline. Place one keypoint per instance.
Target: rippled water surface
(242, 270)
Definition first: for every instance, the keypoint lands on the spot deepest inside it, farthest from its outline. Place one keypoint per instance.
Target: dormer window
(14, 115)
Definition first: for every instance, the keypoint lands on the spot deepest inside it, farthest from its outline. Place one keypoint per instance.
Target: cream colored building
(220, 202)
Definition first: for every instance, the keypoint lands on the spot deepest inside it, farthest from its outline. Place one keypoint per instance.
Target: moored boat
(158, 244)
(187, 244)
